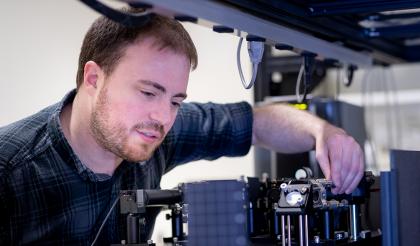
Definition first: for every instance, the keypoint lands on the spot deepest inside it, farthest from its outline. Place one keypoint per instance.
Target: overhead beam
(360, 6)
(210, 13)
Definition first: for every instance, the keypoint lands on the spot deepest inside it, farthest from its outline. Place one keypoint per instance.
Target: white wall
(39, 46)
(40, 43)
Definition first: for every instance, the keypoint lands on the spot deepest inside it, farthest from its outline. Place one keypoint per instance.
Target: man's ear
(91, 76)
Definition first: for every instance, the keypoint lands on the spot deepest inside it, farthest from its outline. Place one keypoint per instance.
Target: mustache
(150, 126)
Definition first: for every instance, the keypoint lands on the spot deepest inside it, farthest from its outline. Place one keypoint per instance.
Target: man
(125, 126)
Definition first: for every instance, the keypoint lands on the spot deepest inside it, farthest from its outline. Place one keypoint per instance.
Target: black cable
(350, 75)
(126, 19)
(106, 218)
(308, 63)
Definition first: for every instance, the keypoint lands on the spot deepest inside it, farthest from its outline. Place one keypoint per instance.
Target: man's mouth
(149, 136)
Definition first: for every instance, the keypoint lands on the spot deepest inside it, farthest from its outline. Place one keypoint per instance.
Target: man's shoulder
(21, 138)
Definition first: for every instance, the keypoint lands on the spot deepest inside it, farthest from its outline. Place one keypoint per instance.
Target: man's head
(134, 80)
(106, 40)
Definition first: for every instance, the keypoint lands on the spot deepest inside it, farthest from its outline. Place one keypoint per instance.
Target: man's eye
(176, 104)
(148, 94)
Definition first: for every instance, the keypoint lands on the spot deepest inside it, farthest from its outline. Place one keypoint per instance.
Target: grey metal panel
(406, 165)
(389, 209)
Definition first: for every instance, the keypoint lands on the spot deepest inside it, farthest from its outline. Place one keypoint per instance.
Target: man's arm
(208, 131)
(287, 130)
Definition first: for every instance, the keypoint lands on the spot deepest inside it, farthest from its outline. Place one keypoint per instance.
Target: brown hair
(106, 40)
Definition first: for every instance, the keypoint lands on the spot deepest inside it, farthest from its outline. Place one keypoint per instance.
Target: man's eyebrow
(161, 88)
(182, 95)
(154, 84)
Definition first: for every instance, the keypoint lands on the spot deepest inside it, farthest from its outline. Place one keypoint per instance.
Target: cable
(300, 98)
(369, 118)
(397, 111)
(349, 74)
(389, 82)
(339, 80)
(126, 19)
(388, 108)
(255, 51)
(106, 218)
(306, 72)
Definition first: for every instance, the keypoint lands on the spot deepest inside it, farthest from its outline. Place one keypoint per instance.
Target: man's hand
(340, 157)
(285, 129)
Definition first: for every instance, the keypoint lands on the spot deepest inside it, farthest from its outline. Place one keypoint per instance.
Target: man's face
(138, 102)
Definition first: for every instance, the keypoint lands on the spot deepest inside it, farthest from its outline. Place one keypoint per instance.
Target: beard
(114, 136)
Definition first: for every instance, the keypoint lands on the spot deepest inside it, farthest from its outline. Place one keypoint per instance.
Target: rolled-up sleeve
(208, 131)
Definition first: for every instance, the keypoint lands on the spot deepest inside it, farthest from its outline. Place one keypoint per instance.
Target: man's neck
(75, 121)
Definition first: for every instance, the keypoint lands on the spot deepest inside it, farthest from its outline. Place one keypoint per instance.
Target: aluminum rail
(211, 13)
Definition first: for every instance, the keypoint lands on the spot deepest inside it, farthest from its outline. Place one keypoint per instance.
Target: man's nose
(161, 113)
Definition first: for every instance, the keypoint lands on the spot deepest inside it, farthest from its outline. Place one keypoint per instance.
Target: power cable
(106, 218)
(255, 51)
(126, 19)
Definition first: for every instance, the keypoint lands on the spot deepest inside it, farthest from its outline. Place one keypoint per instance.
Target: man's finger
(335, 153)
(323, 160)
(352, 167)
(359, 176)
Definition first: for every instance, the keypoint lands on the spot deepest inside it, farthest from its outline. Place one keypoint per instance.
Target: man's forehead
(152, 45)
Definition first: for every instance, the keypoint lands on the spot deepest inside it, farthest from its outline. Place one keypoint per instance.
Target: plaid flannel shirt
(49, 197)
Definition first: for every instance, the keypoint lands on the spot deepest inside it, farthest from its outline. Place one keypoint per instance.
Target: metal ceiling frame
(387, 45)
(323, 8)
(216, 13)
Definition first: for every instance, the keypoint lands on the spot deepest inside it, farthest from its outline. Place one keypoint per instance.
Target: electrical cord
(337, 84)
(127, 19)
(106, 218)
(349, 75)
(305, 72)
(255, 51)
(393, 87)
(301, 74)
(388, 107)
(394, 107)
(367, 105)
